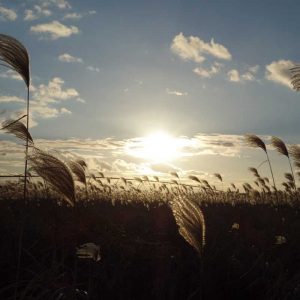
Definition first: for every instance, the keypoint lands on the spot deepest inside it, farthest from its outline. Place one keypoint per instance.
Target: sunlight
(157, 147)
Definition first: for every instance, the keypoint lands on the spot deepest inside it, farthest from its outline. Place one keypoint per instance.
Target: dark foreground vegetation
(252, 250)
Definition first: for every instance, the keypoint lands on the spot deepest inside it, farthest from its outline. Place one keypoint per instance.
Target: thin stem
(272, 176)
(13, 122)
(26, 151)
(293, 178)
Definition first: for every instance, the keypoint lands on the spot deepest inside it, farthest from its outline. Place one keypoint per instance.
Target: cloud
(46, 101)
(235, 76)
(54, 30)
(279, 72)
(176, 93)
(164, 168)
(7, 14)
(69, 58)
(208, 73)
(36, 13)
(193, 48)
(61, 4)
(7, 99)
(54, 91)
(73, 16)
(111, 155)
(93, 69)
(11, 75)
(77, 16)
(218, 144)
(65, 111)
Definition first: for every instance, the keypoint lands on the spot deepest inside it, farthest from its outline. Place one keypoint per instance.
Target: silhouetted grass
(252, 247)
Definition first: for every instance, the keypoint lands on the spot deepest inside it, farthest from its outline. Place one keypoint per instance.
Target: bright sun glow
(158, 147)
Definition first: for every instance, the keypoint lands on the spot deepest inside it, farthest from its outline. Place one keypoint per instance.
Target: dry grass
(18, 129)
(190, 220)
(15, 56)
(54, 172)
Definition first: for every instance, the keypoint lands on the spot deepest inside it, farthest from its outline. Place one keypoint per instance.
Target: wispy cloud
(11, 75)
(78, 16)
(7, 14)
(279, 72)
(176, 93)
(208, 73)
(111, 155)
(54, 30)
(218, 144)
(73, 16)
(7, 99)
(66, 57)
(235, 76)
(194, 48)
(93, 69)
(61, 4)
(36, 12)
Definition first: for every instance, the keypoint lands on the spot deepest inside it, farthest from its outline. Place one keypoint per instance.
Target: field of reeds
(69, 234)
(125, 242)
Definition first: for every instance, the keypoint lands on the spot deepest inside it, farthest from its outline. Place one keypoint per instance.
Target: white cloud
(61, 4)
(63, 110)
(36, 13)
(7, 14)
(73, 16)
(193, 48)
(164, 168)
(69, 58)
(235, 76)
(46, 101)
(279, 72)
(176, 93)
(248, 76)
(7, 99)
(77, 16)
(11, 75)
(93, 69)
(54, 30)
(253, 69)
(208, 73)
(54, 92)
(80, 100)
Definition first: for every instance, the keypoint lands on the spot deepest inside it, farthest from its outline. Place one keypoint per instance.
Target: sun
(159, 147)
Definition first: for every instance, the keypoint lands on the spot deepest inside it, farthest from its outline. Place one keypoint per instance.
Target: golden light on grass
(159, 147)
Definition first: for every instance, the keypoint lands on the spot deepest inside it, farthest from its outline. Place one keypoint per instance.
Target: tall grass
(253, 140)
(14, 55)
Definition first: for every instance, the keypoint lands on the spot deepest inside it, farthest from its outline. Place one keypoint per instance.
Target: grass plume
(18, 129)
(54, 172)
(295, 78)
(281, 148)
(15, 56)
(190, 220)
(254, 141)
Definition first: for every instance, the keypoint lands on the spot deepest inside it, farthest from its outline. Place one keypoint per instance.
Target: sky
(107, 74)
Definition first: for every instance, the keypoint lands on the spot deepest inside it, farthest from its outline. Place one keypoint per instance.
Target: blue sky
(125, 69)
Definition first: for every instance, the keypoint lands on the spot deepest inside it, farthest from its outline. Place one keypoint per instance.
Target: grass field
(252, 247)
